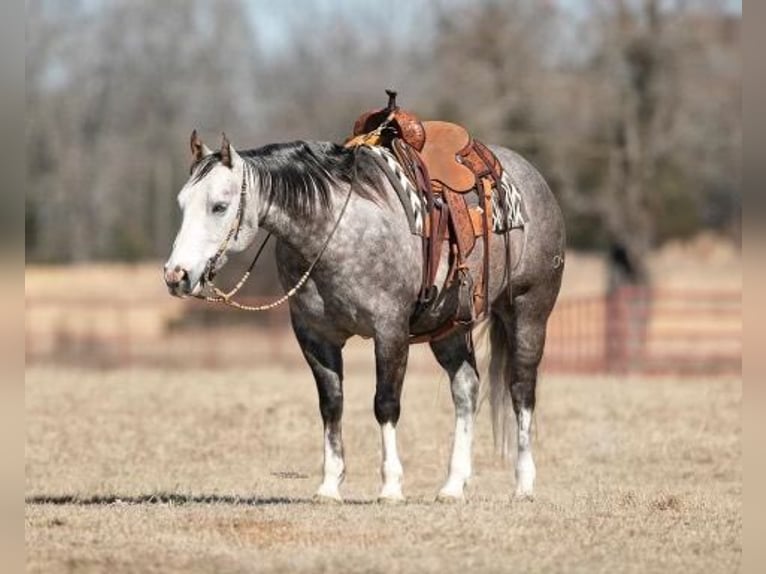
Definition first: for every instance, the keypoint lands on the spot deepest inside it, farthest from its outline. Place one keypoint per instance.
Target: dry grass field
(192, 471)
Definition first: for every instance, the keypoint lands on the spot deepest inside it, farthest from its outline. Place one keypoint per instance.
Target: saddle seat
(443, 143)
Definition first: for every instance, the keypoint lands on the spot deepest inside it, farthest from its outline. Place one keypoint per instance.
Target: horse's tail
(501, 407)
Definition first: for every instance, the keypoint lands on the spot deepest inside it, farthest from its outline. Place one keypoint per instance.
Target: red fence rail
(636, 330)
(631, 331)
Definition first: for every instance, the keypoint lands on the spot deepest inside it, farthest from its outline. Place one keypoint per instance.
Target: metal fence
(647, 331)
(633, 330)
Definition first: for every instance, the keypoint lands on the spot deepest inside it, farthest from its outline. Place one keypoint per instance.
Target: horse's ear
(228, 153)
(198, 149)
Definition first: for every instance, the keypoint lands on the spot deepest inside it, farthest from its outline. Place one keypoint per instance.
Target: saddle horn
(391, 100)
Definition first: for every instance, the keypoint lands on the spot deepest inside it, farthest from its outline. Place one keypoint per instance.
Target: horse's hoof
(331, 500)
(524, 496)
(450, 498)
(392, 499)
(327, 497)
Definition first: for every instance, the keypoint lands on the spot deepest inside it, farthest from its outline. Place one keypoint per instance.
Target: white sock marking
(525, 465)
(460, 463)
(391, 469)
(334, 469)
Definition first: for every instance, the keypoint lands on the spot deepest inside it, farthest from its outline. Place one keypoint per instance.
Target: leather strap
(438, 334)
(461, 222)
(432, 244)
(477, 221)
(437, 240)
(482, 287)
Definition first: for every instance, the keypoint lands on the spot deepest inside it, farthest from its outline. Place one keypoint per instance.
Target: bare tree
(640, 101)
(488, 67)
(631, 108)
(114, 91)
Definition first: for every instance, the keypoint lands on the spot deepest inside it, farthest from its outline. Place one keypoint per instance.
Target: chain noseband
(225, 297)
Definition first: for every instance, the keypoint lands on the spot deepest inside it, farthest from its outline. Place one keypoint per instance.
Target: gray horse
(367, 283)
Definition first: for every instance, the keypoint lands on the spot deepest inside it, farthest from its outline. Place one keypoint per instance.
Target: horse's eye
(219, 208)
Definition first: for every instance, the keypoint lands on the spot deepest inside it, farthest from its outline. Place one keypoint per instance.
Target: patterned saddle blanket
(507, 204)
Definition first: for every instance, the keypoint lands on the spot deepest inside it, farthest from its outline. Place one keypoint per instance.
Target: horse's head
(215, 220)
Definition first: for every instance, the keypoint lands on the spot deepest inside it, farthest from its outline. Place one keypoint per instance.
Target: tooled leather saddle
(455, 177)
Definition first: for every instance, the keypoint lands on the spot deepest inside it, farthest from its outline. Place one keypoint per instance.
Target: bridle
(233, 233)
(225, 297)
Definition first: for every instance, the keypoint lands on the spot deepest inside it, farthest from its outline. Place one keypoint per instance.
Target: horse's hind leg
(525, 325)
(456, 357)
(326, 362)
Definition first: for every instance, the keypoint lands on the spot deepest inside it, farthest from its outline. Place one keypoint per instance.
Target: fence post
(614, 346)
(628, 309)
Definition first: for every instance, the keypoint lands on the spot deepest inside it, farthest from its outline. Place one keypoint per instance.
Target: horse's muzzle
(177, 281)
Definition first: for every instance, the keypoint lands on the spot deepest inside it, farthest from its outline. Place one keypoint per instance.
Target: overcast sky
(270, 18)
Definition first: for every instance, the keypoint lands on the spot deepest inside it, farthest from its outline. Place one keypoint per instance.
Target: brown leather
(481, 294)
(480, 160)
(360, 125)
(411, 128)
(477, 221)
(441, 227)
(496, 167)
(441, 333)
(461, 223)
(443, 142)
(406, 160)
(404, 124)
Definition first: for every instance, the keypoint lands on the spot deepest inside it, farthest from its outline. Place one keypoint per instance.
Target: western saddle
(455, 176)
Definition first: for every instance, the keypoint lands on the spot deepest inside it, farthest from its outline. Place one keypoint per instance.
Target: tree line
(630, 108)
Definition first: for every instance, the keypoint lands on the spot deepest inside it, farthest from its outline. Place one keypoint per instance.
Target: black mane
(297, 176)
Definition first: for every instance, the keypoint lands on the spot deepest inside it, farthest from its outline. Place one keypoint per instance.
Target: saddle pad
(507, 205)
(412, 202)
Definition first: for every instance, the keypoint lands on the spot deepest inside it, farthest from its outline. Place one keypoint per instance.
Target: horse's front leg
(326, 362)
(456, 357)
(391, 352)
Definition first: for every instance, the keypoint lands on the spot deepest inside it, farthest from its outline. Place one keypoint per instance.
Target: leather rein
(225, 297)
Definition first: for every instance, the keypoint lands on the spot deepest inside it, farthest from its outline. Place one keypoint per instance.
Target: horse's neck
(304, 234)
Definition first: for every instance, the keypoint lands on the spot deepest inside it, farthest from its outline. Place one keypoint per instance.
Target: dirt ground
(191, 471)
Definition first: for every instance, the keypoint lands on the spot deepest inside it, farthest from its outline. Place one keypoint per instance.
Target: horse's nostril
(174, 277)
